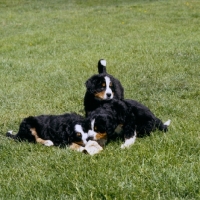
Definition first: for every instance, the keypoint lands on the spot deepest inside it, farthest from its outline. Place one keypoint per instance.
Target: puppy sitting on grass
(101, 88)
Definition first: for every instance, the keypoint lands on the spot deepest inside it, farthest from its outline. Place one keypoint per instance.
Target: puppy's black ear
(87, 124)
(121, 109)
(88, 84)
(102, 66)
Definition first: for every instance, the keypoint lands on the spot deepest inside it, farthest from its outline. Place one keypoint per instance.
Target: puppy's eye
(110, 85)
(103, 84)
(78, 134)
(95, 128)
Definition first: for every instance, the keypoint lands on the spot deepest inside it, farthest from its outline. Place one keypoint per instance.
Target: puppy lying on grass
(74, 131)
(69, 129)
(134, 118)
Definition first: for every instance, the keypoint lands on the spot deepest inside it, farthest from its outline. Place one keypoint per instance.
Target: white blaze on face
(92, 133)
(101, 138)
(92, 124)
(79, 129)
(108, 92)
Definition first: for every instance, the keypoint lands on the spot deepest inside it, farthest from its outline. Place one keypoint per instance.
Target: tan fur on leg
(40, 140)
(76, 147)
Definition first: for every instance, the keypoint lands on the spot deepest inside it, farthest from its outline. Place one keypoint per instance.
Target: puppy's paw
(92, 147)
(123, 146)
(48, 143)
(128, 142)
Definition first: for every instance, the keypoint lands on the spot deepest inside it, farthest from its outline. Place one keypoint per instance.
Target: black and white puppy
(101, 88)
(133, 118)
(109, 117)
(68, 129)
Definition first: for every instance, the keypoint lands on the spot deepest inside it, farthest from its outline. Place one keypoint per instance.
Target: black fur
(94, 85)
(146, 121)
(132, 115)
(109, 116)
(60, 129)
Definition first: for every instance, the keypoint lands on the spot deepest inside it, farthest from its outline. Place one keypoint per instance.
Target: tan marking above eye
(78, 134)
(104, 84)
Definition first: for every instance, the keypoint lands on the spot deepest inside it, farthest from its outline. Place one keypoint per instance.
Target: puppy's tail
(163, 126)
(24, 130)
(102, 66)
(167, 123)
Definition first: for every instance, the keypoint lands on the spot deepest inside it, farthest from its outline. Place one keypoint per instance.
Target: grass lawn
(49, 48)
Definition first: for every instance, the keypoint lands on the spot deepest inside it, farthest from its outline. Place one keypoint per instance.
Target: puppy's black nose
(89, 138)
(108, 94)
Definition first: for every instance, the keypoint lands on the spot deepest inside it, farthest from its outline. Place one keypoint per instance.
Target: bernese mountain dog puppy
(101, 88)
(108, 120)
(69, 129)
(132, 117)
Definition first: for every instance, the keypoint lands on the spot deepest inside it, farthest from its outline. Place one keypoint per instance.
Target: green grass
(49, 48)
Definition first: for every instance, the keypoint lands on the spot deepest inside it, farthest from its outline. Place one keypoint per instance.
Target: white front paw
(92, 147)
(123, 146)
(128, 142)
(48, 143)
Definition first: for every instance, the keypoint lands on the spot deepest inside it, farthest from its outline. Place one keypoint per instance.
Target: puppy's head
(100, 86)
(103, 123)
(80, 135)
(103, 86)
(98, 130)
